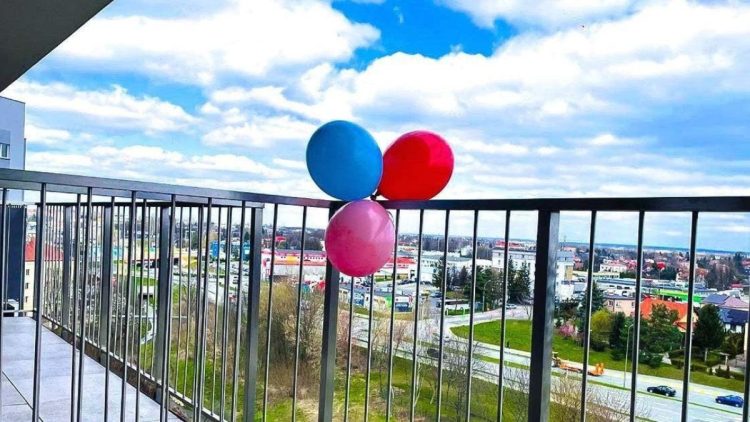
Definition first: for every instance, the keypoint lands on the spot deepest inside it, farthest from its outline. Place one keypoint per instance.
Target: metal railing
(131, 273)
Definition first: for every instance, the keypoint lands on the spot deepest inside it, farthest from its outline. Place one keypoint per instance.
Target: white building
(12, 139)
(564, 262)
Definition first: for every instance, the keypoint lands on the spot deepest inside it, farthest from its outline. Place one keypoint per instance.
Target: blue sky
(583, 99)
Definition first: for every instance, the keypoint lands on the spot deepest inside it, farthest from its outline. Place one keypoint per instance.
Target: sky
(586, 98)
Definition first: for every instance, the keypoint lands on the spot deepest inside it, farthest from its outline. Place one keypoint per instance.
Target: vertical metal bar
(106, 295)
(253, 311)
(443, 291)
(224, 322)
(3, 284)
(328, 351)
(637, 318)
(179, 302)
(238, 319)
(300, 279)
(503, 311)
(74, 324)
(140, 312)
(216, 313)
(67, 256)
(472, 305)
(746, 395)
(39, 298)
(349, 350)
(166, 259)
(369, 349)
(189, 302)
(548, 225)
(587, 316)
(417, 299)
(129, 280)
(200, 325)
(689, 328)
(154, 309)
(388, 401)
(269, 310)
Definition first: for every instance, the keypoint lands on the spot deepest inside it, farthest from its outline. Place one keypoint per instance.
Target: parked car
(510, 306)
(730, 400)
(434, 353)
(663, 390)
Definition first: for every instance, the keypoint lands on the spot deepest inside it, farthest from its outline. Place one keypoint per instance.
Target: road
(702, 405)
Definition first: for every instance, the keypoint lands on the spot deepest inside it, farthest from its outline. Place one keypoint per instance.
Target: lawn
(518, 336)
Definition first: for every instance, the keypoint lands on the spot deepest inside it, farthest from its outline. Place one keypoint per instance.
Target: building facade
(12, 140)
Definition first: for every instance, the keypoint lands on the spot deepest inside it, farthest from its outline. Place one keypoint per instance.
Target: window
(5, 151)
(25, 298)
(27, 286)
(28, 271)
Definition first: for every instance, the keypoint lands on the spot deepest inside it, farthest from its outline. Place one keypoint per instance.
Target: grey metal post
(548, 225)
(163, 298)
(67, 259)
(106, 283)
(39, 299)
(253, 300)
(328, 363)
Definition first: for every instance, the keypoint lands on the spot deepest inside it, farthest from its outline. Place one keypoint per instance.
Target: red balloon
(417, 166)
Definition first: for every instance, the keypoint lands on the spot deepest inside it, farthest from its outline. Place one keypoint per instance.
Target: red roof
(681, 308)
(51, 253)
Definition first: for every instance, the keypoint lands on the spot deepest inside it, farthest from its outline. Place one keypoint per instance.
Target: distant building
(615, 304)
(12, 140)
(52, 255)
(647, 306)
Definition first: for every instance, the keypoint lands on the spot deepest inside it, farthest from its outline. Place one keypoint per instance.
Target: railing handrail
(68, 183)
(652, 204)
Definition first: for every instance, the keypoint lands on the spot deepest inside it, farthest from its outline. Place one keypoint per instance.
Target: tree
(597, 302)
(463, 277)
(601, 325)
(660, 334)
(519, 289)
(709, 330)
(438, 276)
(615, 333)
(734, 345)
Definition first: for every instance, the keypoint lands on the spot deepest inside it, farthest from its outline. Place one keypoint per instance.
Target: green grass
(403, 316)
(518, 336)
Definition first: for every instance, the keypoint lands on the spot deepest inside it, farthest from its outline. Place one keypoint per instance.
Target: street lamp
(627, 343)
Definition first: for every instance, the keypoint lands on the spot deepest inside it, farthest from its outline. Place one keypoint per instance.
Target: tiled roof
(51, 253)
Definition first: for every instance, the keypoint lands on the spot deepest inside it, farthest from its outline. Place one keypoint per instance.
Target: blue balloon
(344, 160)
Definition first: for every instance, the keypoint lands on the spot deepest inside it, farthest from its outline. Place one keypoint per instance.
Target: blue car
(735, 401)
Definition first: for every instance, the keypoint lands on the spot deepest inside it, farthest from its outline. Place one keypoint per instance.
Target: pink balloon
(360, 238)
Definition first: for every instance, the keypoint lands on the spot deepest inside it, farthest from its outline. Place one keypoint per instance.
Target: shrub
(678, 363)
(698, 367)
(618, 354)
(567, 331)
(676, 353)
(729, 374)
(599, 346)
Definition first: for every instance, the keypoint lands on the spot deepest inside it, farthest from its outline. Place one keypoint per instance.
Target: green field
(518, 336)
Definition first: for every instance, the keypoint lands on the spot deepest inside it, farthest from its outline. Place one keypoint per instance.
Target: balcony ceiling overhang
(30, 29)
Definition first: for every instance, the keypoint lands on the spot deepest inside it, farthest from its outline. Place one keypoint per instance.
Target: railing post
(67, 258)
(330, 318)
(163, 299)
(253, 314)
(544, 308)
(106, 282)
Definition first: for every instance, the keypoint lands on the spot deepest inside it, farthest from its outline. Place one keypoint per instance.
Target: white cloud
(260, 132)
(290, 164)
(248, 38)
(149, 163)
(44, 136)
(540, 12)
(112, 108)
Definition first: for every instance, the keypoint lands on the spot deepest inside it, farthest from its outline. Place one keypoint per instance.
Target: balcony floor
(18, 374)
